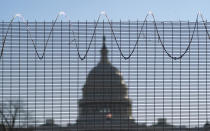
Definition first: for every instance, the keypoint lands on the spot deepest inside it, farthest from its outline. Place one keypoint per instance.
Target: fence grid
(45, 66)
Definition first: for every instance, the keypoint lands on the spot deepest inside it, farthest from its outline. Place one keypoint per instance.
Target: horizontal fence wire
(45, 72)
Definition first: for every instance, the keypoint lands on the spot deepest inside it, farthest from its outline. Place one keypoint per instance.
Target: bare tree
(2, 127)
(13, 113)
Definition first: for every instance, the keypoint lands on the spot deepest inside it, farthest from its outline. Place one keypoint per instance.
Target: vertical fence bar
(52, 76)
(111, 68)
(198, 93)
(94, 70)
(120, 72)
(69, 42)
(163, 76)
(78, 41)
(172, 72)
(19, 76)
(35, 57)
(44, 77)
(11, 86)
(180, 73)
(128, 63)
(146, 72)
(189, 78)
(27, 75)
(2, 72)
(206, 76)
(137, 65)
(61, 73)
(155, 42)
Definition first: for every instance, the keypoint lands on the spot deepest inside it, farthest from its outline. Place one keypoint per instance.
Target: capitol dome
(104, 81)
(105, 97)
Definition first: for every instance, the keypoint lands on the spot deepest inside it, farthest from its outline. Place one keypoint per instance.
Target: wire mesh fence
(54, 76)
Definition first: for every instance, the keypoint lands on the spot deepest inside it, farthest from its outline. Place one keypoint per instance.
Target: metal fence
(164, 64)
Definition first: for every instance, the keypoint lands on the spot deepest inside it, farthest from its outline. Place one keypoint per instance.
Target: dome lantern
(104, 50)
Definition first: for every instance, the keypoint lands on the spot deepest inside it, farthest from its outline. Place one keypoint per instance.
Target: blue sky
(116, 9)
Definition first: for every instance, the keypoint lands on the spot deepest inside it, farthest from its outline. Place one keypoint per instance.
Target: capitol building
(105, 104)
